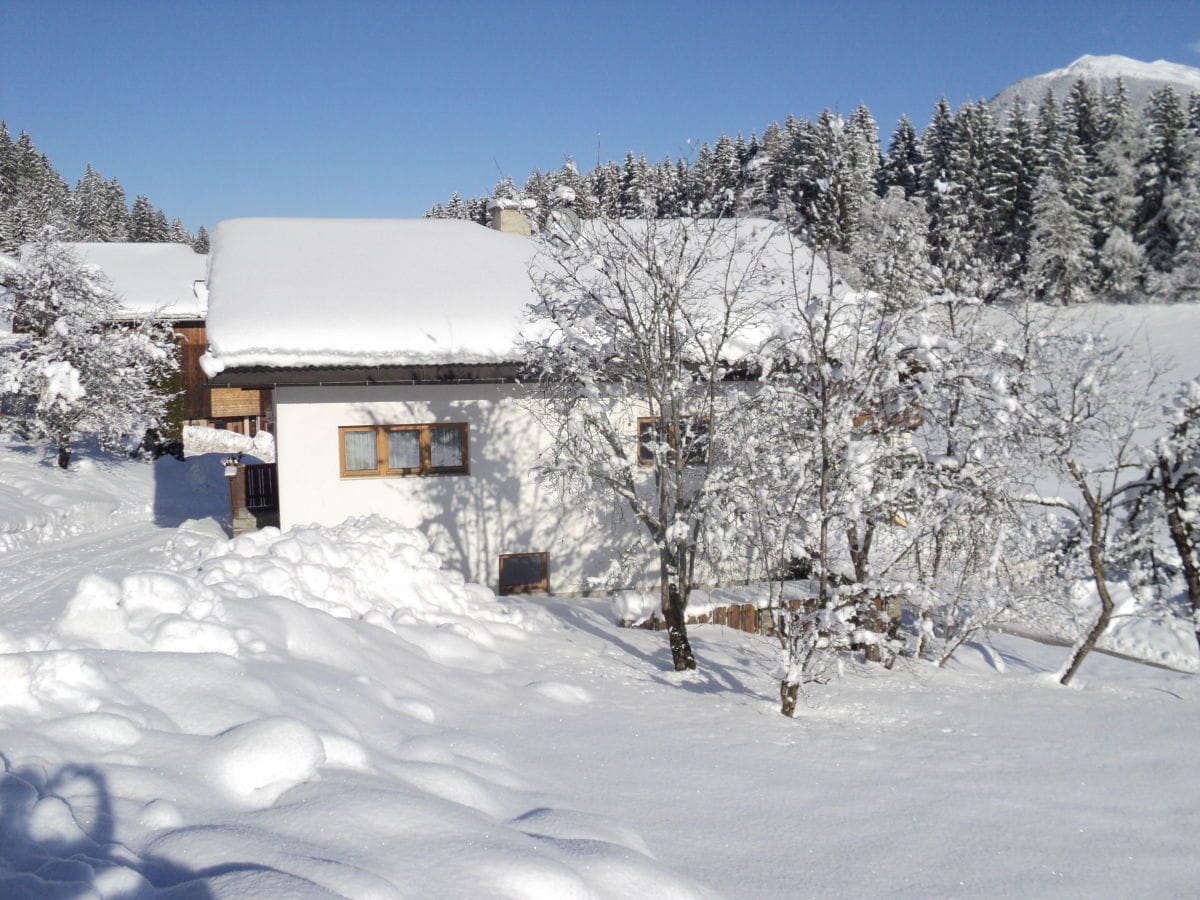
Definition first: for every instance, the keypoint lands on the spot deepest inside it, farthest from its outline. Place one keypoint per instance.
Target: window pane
(404, 449)
(649, 435)
(695, 440)
(360, 450)
(446, 448)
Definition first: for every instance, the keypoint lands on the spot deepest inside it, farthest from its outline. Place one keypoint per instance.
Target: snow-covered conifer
(143, 223)
(200, 244)
(1163, 164)
(177, 234)
(902, 165)
(1061, 268)
(1015, 179)
(75, 369)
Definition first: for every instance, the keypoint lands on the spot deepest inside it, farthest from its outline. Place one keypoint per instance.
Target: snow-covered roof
(323, 293)
(166, 280)
(296, 293)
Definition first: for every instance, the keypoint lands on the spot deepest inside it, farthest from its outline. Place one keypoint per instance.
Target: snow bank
(40, 502)
(1157, 635)
(287, 715)
(198, 439)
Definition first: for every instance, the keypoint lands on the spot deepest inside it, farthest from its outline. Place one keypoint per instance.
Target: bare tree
(1163, 537)
(639, 328)
(1086, 399)
(1177, 465)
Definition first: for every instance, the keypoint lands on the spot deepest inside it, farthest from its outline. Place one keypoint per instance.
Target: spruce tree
(117, 220)
(90, 205)
(1015, 180)
(1060, 271)
(936, 145)
(725, 177)
(968, 245)
(200, 244)
(1162, 164)
(902, 165)
(862, 149)
(142, 224)
(8, 176)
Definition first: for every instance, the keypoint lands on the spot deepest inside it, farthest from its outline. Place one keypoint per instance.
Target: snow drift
(279, 715)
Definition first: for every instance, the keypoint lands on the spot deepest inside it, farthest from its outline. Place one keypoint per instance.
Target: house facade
(392, 352)
(395, 386)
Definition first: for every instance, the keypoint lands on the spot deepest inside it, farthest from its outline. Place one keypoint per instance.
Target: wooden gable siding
(197, 397)
(200, 399)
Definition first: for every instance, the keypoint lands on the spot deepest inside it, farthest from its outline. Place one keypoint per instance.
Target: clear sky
(221, 109)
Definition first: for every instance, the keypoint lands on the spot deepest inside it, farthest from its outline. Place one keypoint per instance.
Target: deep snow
(328, 712)
(294, 293)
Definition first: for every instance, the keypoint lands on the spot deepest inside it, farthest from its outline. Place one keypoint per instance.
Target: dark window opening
(693, 439)
(524, 573)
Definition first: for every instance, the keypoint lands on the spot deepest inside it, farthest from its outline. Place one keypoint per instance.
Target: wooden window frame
(424, 439)
(646, 459)
(542, 585)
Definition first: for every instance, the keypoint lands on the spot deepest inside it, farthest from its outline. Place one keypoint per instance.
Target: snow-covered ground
(327, 712)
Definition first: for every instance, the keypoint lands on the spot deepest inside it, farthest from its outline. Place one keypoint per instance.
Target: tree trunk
(676, 617)
(64, 452)
(789, 693)
(1096, 559)
(1174, 503)
(1084, 647)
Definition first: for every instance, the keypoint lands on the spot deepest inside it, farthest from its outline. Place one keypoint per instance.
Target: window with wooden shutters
(379, 451)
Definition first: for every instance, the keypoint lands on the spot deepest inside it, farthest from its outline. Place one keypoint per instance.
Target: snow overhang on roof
(323, 293)
(150, 279)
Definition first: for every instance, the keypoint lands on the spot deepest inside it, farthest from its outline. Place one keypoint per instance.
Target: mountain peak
(1140, 78)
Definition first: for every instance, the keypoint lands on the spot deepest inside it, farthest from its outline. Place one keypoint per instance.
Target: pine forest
(1084, 199)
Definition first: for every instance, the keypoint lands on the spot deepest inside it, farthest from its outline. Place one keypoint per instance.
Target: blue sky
(223, 109)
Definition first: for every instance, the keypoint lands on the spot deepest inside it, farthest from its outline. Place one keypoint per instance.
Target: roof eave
(442, 373)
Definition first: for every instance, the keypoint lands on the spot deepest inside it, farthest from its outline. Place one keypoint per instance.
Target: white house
(392, 349)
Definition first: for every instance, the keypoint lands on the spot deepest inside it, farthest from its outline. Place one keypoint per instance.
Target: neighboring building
(169, 281)
(392, 348)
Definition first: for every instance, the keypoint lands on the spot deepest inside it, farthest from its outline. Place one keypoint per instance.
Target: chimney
(509, 216)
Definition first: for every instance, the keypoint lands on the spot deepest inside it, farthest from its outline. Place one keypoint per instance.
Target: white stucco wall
(471, 519)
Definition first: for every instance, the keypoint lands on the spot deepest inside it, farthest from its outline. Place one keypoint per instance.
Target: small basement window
(390, 450)
(524, 573)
